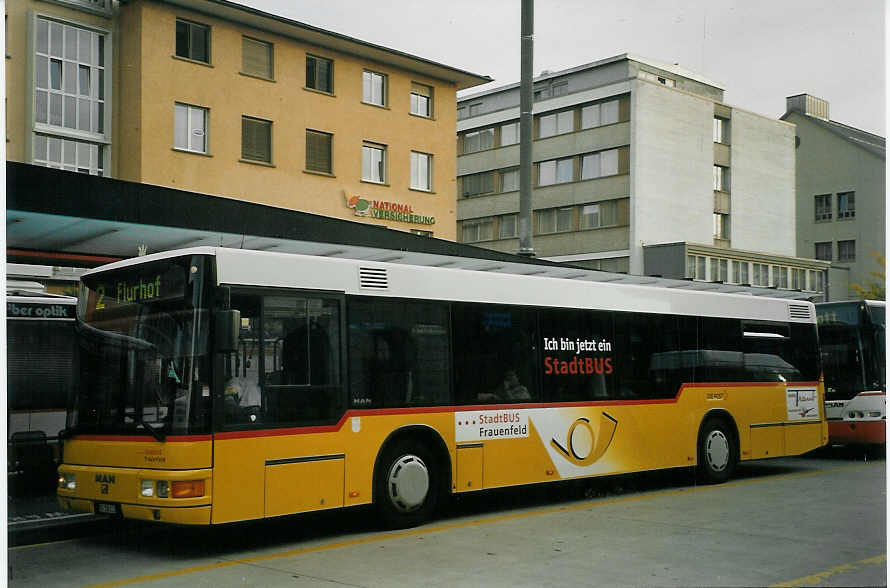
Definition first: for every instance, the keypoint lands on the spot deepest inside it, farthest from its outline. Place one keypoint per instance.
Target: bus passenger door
(282, 386)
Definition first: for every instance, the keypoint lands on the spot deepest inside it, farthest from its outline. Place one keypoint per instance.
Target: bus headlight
(875, 414)
(67, 482)
(187, 488)
(148, 488)
(163, 488)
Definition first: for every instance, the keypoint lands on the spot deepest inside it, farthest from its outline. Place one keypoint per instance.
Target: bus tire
(407, 484)
(717, 451)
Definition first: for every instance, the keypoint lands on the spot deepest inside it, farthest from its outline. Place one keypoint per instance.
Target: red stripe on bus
(871, 394)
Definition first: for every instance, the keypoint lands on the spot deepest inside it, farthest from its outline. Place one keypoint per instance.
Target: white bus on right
(851, 337)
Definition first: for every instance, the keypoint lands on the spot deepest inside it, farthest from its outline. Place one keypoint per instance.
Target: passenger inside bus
(510, 390)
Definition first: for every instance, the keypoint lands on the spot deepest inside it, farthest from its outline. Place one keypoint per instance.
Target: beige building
(218, 98)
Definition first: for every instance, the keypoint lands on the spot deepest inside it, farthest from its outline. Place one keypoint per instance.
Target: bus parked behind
(852, 338)
(41, 376)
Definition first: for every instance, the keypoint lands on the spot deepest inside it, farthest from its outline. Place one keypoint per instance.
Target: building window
(192, 40)
(476, 109)
(477, 184)
(719, 269)
(320, 74)
(421, 100)
(560, 89)
(556, 171)
(68, 154)
(816, 278)
(554, 220)
(257, 58)
(461, 113)
(609, 112)
(721, 226)
(510, 180)
(595, 115)
(823, 251)
(476, 230)
(822, 203)
(721, 130)
(602, 214)
(318, 152)
(721, 178)
(373, 88)
(374, 163)
(190, 128)
(846, 205)
(508, 229)
(478, 141)
(421, 171)
(509, 134)
(597, 165)
(760, 274)
(780, 277)
(740, 272)
(798, 279)
(69, 96)
(696, 267)
(557, 123)
(846, 250)
(256, 139)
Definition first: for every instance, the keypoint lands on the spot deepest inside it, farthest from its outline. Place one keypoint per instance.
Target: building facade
(638, 167)
(841, 195)
(218, 98)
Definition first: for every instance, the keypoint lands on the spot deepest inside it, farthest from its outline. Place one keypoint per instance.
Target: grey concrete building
(639, 167)
(841, 194)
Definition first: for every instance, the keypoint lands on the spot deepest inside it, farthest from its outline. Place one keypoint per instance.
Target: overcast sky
(759, 51)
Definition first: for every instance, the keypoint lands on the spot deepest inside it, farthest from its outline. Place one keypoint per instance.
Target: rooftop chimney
(808, 105)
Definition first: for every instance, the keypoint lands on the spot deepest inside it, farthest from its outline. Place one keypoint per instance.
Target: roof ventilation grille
(799, 312)
(373, 278)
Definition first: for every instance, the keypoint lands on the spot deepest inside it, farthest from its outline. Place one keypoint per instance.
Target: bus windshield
(143, 337)
(850, 351)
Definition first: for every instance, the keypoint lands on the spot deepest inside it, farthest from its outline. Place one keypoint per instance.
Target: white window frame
(421, 171)
(369, 88)
(191, 111)
(512, 173)
(368, 163)
(515, 125)
(98, 143)
(419, 99)
(102, 7)
(508, 220)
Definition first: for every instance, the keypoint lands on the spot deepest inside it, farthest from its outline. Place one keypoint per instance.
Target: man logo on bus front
(584, 448)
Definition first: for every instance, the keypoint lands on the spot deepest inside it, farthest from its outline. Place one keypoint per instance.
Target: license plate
(106, 508)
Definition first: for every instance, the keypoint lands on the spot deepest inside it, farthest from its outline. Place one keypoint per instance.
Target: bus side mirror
(227, 326)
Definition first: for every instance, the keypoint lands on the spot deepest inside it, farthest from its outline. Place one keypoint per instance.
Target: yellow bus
(221, 385)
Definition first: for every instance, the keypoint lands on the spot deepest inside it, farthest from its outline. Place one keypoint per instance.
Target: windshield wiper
(159, 435)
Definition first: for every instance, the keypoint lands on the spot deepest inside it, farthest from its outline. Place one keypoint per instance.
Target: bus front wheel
(717, 451)
(407, 484)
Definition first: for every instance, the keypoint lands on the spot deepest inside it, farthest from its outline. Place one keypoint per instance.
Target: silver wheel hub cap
(408, 483)
(717, 450)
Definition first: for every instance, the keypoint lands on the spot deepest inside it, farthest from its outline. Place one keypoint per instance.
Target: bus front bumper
(195, 515)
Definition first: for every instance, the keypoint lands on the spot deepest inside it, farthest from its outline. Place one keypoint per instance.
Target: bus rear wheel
(407, 484)
(717, 451)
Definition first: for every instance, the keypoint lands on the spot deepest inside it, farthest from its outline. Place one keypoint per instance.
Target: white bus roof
(439, 277)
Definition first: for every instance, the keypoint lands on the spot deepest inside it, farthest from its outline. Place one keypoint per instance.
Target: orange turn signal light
(187, 489)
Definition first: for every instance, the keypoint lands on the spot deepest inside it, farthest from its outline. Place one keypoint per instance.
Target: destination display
(168, 283)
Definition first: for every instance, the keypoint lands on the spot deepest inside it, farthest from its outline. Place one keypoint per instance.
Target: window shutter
(318, 151)
(256, 140)
(256, 58)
